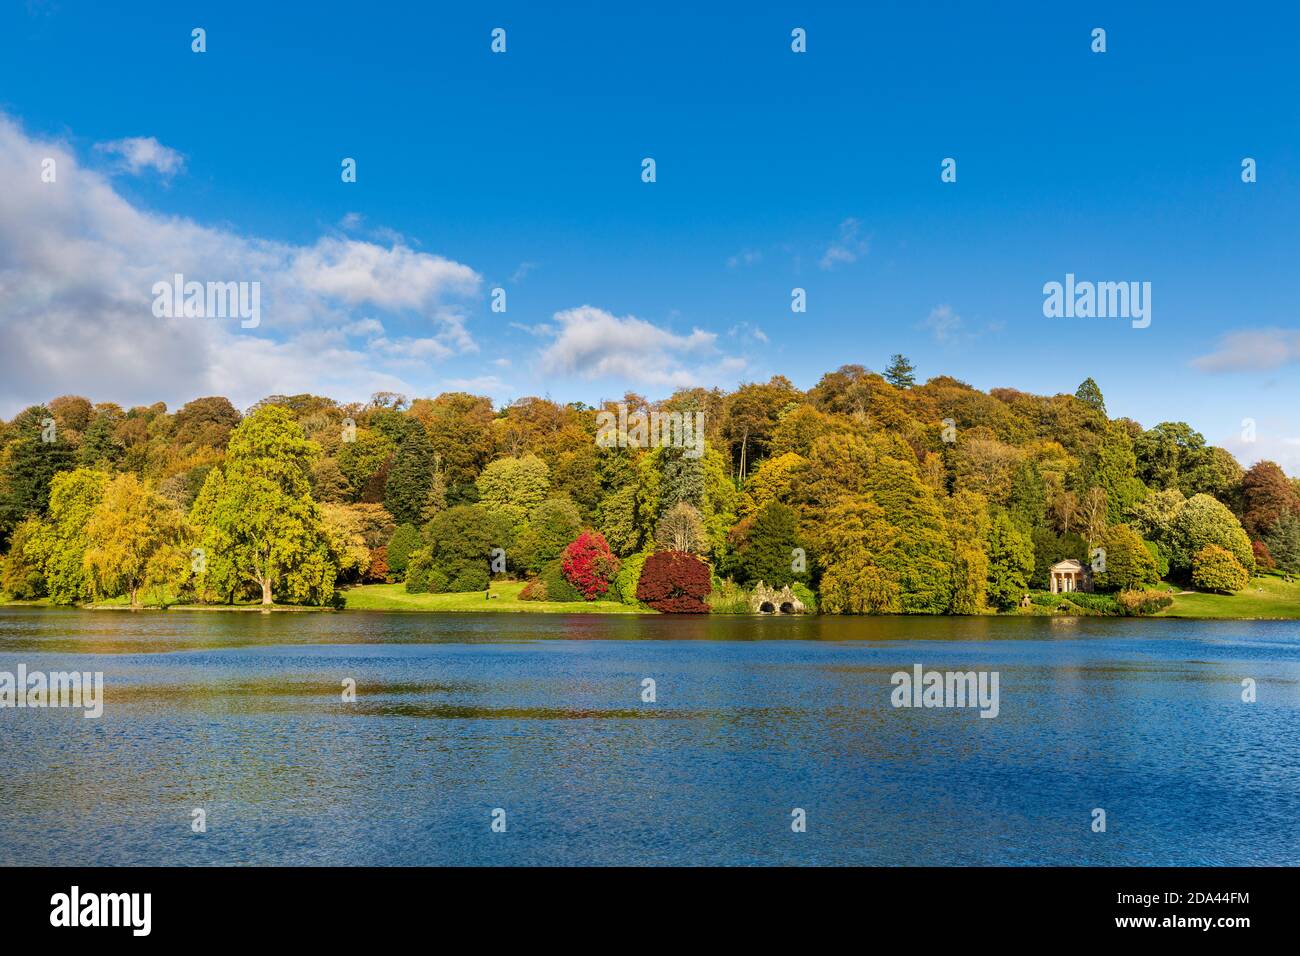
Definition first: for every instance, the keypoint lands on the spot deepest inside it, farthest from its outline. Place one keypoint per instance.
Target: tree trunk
(134, 592)
(266, 590)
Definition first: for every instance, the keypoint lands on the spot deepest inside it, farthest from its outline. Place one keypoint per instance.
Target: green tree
(1204, 521)
(62, 541)
(1283, 543)
(900, 372)
(513, 487)
(768, 553)
(363, 461)
(1011, 561)
(405, 541)
(555, 522)
(258, 523)
(29, 464)
(460, 542)
(1090, 394)
(410, 478)
(1129, 566)
(21, 576)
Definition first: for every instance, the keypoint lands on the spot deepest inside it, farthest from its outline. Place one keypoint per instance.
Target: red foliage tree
(589, 565)
(1262, 556)
(675, 582)
(378, 570)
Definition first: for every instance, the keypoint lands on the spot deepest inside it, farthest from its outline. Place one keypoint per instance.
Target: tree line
(869, 492)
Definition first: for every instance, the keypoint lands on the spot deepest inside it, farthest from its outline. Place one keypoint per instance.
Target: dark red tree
(675, 582)
(589, 565)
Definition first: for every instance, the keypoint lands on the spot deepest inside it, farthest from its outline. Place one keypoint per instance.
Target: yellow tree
(132, 536)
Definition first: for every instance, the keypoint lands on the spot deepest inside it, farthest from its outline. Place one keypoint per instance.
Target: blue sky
(774, 170)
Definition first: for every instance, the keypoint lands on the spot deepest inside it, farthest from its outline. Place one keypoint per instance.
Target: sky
(774, 170)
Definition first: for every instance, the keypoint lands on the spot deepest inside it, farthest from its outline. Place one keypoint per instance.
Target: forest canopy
(869, 491)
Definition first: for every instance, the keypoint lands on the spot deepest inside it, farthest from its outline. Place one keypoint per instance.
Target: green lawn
(1265, 597)
(394, 597)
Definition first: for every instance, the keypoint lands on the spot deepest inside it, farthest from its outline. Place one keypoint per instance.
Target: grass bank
(394, 597)
(1268, 597)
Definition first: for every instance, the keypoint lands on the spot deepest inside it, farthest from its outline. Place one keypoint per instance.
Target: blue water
(541, 716)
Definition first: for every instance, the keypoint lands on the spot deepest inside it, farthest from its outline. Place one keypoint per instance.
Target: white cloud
(1252, 350)
(78, 263)
(944, 324)
(847, 247)
(746, 257)
(592, 343)
(397, 278)
(522, 272)
(138, 153)
(745, 330)
(488, 385)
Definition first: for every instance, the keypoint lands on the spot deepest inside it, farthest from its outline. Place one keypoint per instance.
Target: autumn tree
(680, 529)
(589, 565)
(1266, 496)
(134, 537)
(60, 544)
(1216, 569)
(675, 582)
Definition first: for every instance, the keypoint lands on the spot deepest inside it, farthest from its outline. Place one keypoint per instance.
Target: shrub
(589, 565)
(629, 574)
(1215, 569)
(534, 590)
(1094, 603)
(557, 585)
(674, 582)
(728, 597)
(1141, 603)
(405, 540)
(422, 577)
(21, 577)
(805, 594)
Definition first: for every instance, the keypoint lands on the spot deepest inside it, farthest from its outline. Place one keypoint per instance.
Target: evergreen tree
(900, 372)
(768, 553)
(406, 493)
(1011, 561)
(1090, 394)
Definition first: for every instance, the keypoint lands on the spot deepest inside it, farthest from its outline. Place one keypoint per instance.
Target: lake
(541, 716)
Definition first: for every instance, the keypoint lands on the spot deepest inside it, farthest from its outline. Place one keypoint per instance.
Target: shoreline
(631, 612)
